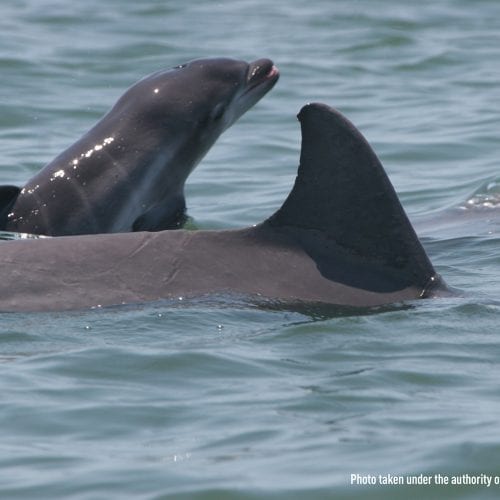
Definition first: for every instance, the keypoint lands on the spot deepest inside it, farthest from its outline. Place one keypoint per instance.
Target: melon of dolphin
(128, 172)
(341, 237)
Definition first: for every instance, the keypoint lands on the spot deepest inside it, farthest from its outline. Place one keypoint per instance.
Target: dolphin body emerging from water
(341, 237)
(128, 172)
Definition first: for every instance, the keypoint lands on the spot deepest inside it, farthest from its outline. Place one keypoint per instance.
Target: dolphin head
(211, 92)
(193, 103)
(218, 91)
(177, 114)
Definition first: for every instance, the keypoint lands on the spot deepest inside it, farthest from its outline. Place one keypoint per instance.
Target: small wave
(488, 196)
(8, 236)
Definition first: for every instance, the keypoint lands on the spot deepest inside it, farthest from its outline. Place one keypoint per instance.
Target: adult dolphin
(128, 172)
(341, 237)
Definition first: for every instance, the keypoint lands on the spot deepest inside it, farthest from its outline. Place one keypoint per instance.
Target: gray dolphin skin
(341, 238)
(128, 172)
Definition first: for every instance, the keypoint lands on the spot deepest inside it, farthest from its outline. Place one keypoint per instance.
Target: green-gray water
(218, 399)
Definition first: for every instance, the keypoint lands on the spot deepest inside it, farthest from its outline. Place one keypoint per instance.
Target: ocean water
(222, 400)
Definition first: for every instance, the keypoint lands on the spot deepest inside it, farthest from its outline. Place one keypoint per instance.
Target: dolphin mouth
(261, 72)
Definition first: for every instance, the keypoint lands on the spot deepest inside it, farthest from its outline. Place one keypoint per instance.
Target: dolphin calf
(128, 172)
(341, 237)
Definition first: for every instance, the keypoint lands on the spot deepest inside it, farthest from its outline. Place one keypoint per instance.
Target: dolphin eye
(180, 66)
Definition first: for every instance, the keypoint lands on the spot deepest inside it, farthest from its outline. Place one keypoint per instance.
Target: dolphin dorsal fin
(345, 211)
